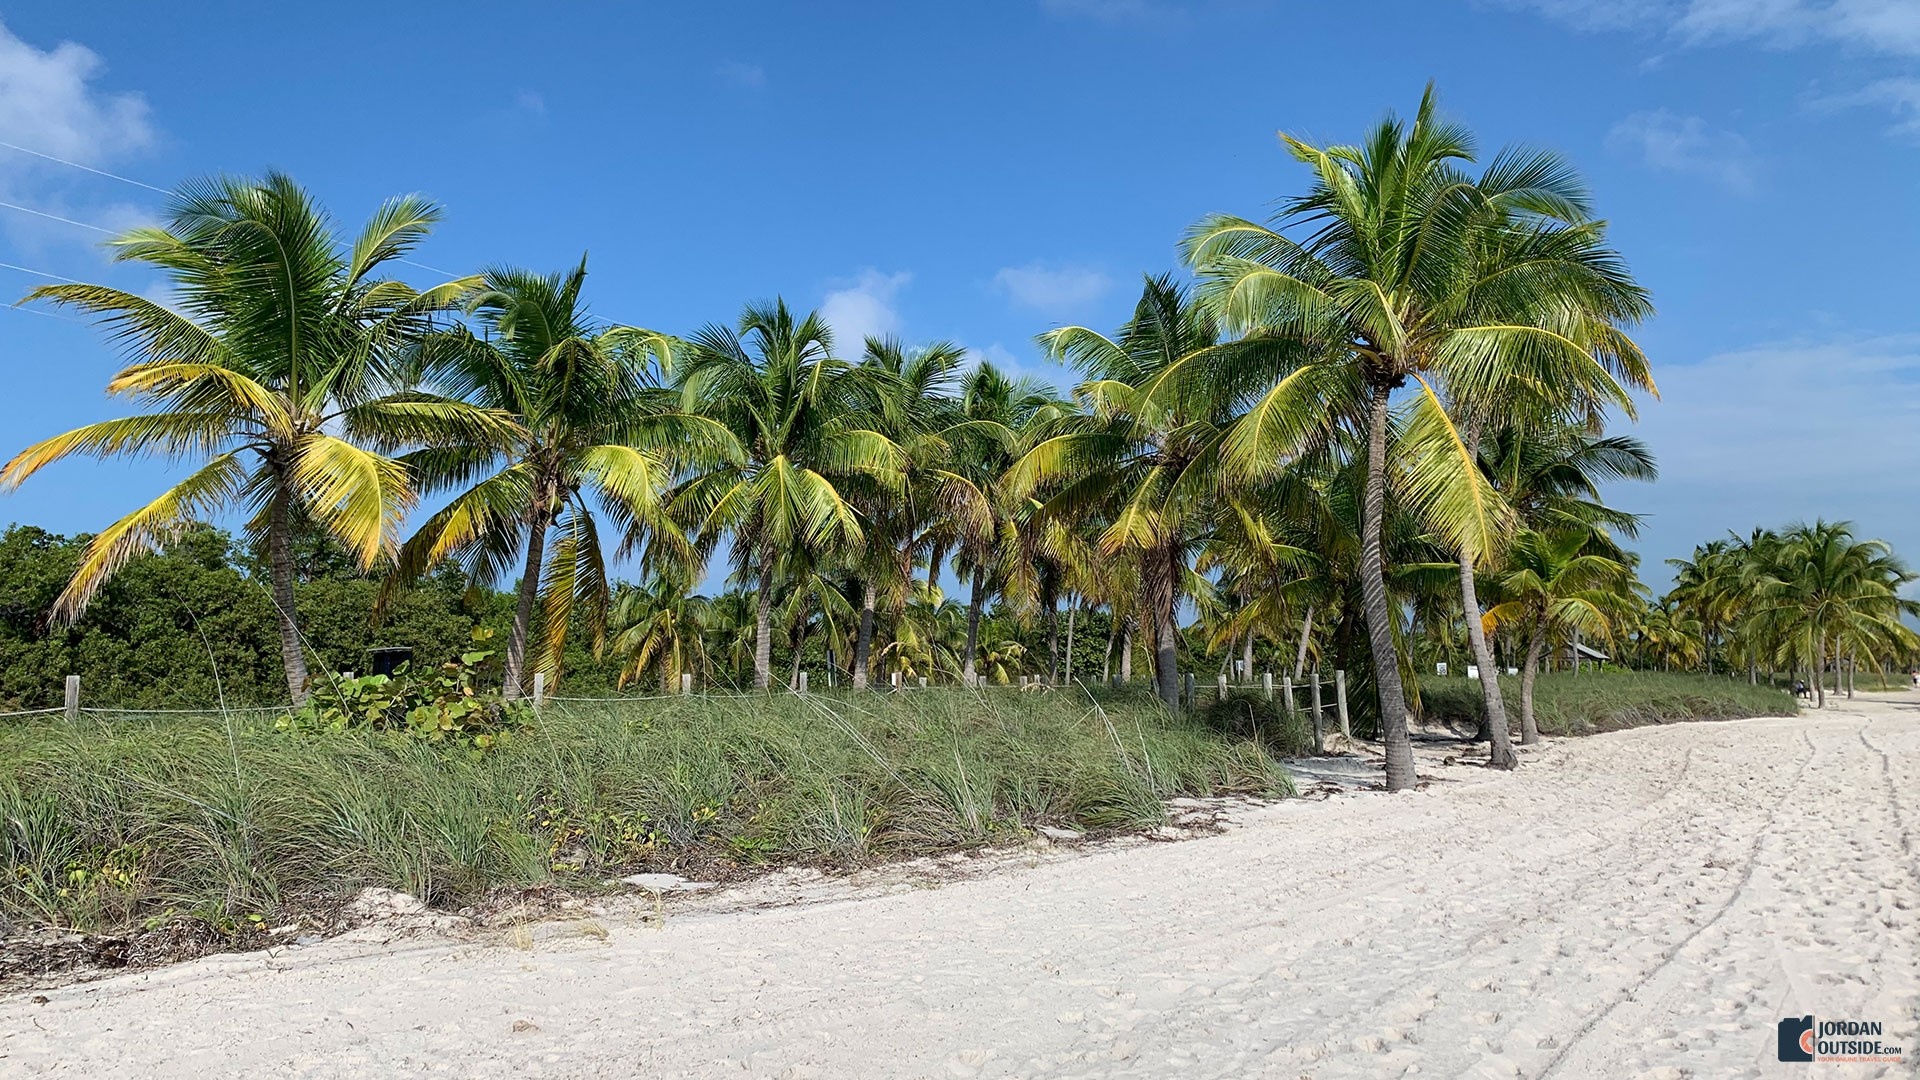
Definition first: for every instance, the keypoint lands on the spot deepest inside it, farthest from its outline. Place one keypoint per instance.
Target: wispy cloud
(1785, 431)
(1900, 96)
(863, 308)
(1052, 289)
(744, 75)
(1688, 145)
(51, 103)
(1886, 26)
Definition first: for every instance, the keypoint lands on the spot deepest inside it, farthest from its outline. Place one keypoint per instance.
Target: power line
(41, 273)
(85, 168)
(54, 217)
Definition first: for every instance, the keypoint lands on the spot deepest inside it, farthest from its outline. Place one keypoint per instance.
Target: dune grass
(1591, 702)
(112, 825)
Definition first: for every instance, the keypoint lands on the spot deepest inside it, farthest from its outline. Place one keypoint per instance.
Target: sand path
(1647, 903)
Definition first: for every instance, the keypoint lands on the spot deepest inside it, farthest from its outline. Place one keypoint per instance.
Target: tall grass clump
(1596, 701)
(103, 825)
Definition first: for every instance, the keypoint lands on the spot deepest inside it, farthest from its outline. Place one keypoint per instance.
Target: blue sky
(983, 172)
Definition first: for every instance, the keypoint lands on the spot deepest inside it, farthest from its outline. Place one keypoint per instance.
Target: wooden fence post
(1190, 690)
(1319, 739)
(1340, 699)
(1266, 684)
(803, 680)
(539, 688)
(923, 682)
(73, 698)
(686, 683)
(1223, 687)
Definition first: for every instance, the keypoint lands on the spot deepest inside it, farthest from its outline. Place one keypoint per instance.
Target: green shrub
(438, 704)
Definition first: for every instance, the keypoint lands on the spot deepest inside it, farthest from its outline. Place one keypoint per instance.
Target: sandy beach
(1647, 903)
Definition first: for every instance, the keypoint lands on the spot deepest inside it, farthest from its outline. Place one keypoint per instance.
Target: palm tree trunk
(1166, 658)
(763, 626)
(934, 558)
(541, 517)
(1501, 755)
(1373, 591)
(1053, 639)
(293, 658)
(1106, 658)
(975, 601)
(1072, 610)
(1306, 635)
(1246, 659)
(1126, 651)
(1529, 729)
(1160, 610)
(1820, 670)
(863, 638)
(799, 645)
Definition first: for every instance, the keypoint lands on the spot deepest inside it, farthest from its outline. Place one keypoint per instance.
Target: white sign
(1473, 671)
(1440, 668)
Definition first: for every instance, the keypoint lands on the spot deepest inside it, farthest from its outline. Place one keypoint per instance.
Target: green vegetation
(1596, 701)
(111, 825)
(1367, 436)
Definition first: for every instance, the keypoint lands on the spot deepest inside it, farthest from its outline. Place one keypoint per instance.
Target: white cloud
(1670, 142)
(863, 308)
(741, 74)
(1053, 290)
(1784, 432)
(1887, 26)
(1900, 96)
(50, 104)
(47, 104)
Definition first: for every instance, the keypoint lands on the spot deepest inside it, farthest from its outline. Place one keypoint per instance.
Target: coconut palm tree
(1828, 594)
(1554, 584)
(806, 423)
(997, 414)
(277, 369)
(1140, 458)
(1399, 268)
(659, 625)
(588, 430)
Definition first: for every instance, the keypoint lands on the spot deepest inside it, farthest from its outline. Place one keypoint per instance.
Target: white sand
(1642, 904)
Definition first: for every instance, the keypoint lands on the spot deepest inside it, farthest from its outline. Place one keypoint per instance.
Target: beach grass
(115, 825)
(1608, 700)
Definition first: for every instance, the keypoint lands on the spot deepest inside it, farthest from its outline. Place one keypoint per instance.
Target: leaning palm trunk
(1529, 729)
(968, 673)
(280, 562)
(1160, 608)
(1300, 657)
(763, 628)
(863, 640)
(1373, 591)
(540, 517)
(1501, 755)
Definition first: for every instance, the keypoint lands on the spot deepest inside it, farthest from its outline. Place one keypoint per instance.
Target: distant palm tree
(806, 423)
(587, 427)
(659, 625)
(1829, 595)
(1554, 583)
(1410, 271)
(277, 368)
(1139, 460)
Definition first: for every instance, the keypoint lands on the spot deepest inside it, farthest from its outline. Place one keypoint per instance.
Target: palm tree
(1826, 590)
(659, 624)
(917, 411)
(1555, 583)
(996, 415)
(587, 426)
(1140, 458)
(277, 369)
(805, 423)
(1407, 271)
